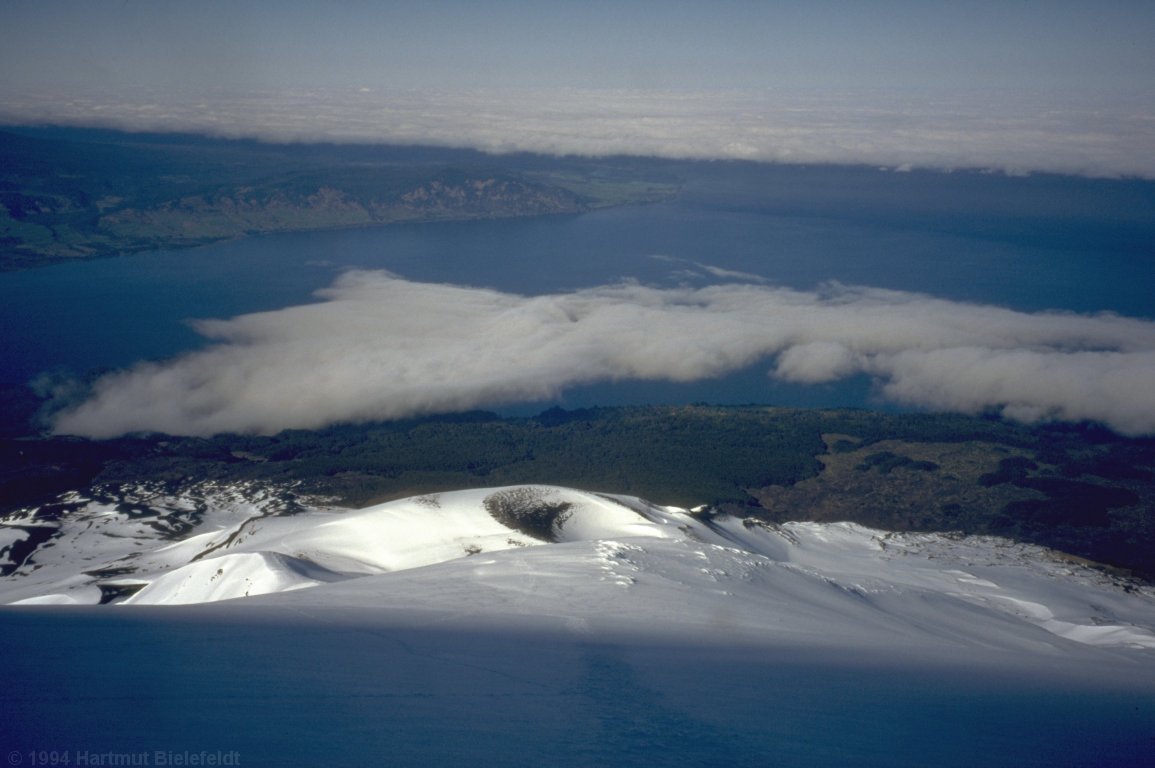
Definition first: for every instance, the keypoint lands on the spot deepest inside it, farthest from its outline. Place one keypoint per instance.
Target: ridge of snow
(231, 576)
(544, 550)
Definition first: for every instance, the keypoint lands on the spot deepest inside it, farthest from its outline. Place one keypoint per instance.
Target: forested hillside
(70, 193)
(1082, 490)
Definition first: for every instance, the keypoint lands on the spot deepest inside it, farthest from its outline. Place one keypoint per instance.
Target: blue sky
(1014, 85)
(640, 44)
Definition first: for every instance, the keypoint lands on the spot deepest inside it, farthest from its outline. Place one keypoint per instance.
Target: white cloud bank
(1012, 132)
(381, 347)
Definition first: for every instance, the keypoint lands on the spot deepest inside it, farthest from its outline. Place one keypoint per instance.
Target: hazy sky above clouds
(1052, 85)
(661, 44)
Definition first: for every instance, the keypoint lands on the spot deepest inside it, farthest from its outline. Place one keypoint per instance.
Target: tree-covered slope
(71, 193)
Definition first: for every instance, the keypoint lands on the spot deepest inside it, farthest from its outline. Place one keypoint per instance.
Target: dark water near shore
(1032, 244)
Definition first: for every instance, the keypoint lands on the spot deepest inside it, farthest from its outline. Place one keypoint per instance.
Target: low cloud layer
(379, 347)
(1011, 132)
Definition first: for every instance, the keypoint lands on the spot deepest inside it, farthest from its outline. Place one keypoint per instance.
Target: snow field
(541, 550)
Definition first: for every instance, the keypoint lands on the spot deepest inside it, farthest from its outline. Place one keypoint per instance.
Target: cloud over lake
(377, 347)
(1012, 132)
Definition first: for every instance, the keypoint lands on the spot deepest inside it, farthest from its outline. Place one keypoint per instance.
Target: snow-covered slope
(538, 625)
(553, 545)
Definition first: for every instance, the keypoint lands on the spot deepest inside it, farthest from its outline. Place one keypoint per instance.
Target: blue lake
(1032, 244)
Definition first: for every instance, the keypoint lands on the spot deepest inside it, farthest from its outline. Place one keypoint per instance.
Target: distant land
(69, 194)
(74, 194)
(1078, 489)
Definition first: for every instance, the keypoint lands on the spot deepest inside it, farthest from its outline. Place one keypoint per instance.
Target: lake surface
(1033, 243)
